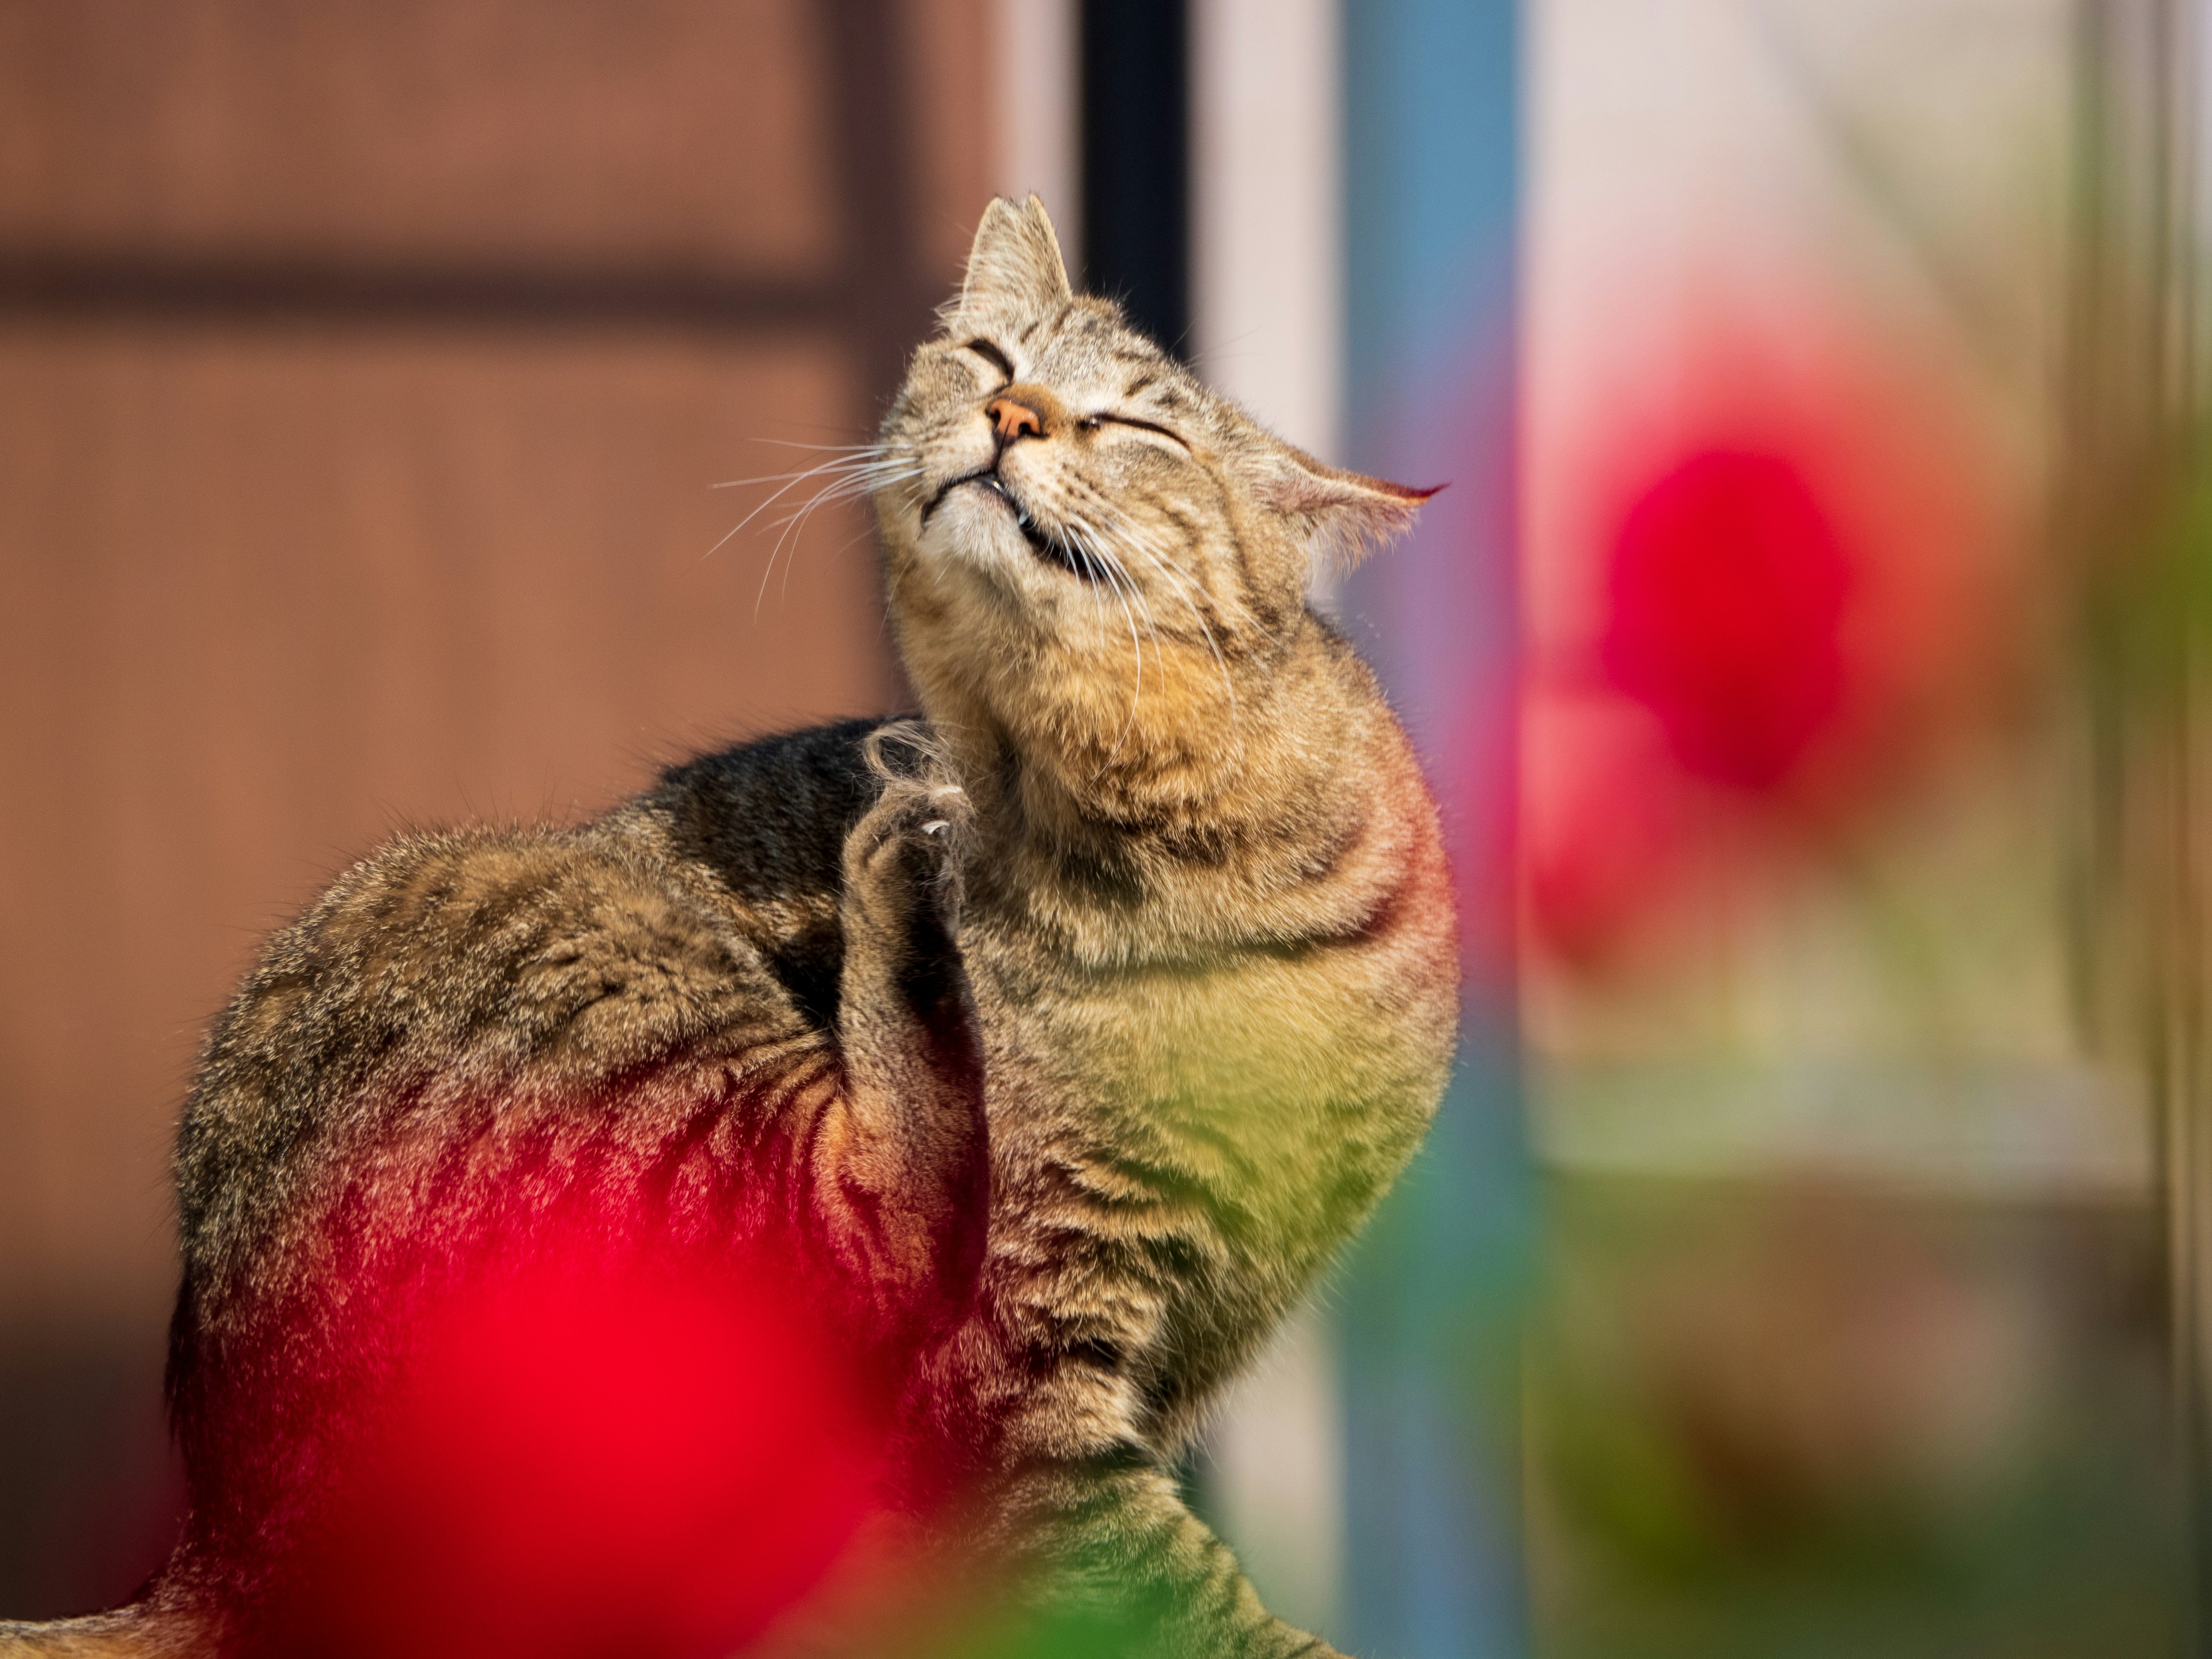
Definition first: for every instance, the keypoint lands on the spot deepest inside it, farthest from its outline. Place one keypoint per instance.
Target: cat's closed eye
(1092, 423)
(991, 355)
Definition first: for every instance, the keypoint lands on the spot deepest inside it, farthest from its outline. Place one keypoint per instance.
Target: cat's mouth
(1052, 549)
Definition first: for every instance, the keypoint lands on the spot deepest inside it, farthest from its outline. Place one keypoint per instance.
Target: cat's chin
(979, 522)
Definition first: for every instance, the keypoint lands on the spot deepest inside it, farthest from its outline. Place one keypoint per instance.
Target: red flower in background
(1727, 597)
(1770, 605)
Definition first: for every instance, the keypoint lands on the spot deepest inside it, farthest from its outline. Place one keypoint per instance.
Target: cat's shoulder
(656, 918)
(438, 902)
(516, 940)
(768, 818)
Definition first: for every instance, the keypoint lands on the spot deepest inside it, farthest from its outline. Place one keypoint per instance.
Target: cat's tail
(146, 1631)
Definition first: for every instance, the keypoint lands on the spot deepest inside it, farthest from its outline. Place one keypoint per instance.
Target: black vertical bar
(1136, 160)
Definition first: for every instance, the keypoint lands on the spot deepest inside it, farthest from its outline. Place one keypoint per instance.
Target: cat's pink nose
(1012, 419)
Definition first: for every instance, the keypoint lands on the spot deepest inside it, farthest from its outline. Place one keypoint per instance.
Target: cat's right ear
(1345, 515)
(1015, 263)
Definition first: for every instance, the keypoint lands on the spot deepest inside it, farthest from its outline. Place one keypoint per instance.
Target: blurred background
(1812, 1256)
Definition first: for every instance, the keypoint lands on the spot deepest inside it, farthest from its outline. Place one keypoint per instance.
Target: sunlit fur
(1208, 922)
(1061, 1042)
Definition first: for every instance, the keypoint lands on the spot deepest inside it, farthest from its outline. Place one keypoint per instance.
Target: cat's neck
(1193, 840)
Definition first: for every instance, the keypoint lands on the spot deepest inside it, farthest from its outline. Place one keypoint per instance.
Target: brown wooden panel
(671, 134)
(948, 45)
(265, 596)
(367, 486)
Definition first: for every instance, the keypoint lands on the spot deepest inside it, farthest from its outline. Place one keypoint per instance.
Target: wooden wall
(364, 366)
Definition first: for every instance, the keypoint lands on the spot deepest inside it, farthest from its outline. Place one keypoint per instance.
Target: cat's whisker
(1107, 566)
(792, 481)
(839, 472)
(846, 489)
(1249, 617)
(1170, 566)
(865, 459)
(1118, 573)
(836, 466)
(1134, 538)
(1098, 542)
(1136, 593)
(844, 480)
(1132, 535)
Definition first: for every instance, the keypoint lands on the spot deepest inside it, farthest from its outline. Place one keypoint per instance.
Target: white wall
(1266, 277)
(1267, 328)
(1038, 146)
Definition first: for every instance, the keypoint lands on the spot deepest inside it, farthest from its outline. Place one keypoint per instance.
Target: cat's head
(1090, 552)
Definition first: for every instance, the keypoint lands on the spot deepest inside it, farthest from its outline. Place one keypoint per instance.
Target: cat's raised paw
(909, 848)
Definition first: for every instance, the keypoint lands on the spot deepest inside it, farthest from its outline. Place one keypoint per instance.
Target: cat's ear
(1345, 515)
(1015, 263)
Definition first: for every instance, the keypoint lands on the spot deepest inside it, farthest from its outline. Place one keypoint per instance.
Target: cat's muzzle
(1047, 546)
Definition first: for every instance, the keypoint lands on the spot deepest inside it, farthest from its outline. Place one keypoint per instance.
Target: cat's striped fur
(1065, 1043)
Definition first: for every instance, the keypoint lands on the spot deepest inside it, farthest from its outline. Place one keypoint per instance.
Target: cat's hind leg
(132, 1632)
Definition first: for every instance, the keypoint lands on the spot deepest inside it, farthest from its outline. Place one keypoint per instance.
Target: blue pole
(1429, 1307)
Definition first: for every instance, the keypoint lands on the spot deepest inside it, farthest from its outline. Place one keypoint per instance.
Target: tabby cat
(1054, 1041)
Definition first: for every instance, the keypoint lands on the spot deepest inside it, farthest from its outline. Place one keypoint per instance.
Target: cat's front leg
(898, 1169)
(1091, 1506)
(1120, 1546)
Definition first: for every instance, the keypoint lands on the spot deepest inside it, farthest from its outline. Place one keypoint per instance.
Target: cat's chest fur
(1259, 1081)
(1216, 1125)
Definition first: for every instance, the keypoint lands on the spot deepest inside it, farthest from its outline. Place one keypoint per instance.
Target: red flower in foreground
(586, 1464)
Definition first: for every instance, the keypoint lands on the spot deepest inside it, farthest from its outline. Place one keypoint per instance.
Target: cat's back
(472, 1028)
(503, 960)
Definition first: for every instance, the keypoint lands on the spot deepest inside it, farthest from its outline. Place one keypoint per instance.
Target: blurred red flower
(1727, 595)
(586, 1463)
(1769, 603)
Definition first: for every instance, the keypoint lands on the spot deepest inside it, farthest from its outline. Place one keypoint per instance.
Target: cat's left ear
(1014, 263)
(1345, 515)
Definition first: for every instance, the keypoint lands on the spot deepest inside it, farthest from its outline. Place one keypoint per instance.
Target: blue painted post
(1430, 1308)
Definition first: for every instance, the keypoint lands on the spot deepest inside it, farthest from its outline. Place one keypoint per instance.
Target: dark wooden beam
(234, 292)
